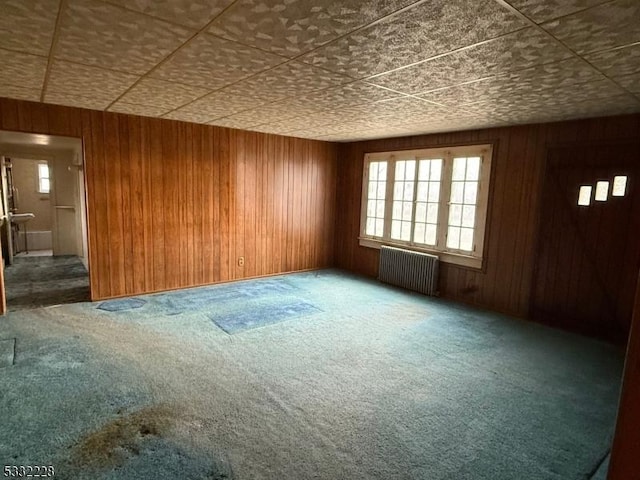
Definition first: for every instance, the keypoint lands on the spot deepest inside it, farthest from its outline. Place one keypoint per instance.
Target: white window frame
(474, 259)
(40, 177)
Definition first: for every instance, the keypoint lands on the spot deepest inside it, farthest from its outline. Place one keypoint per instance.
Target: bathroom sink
(20, 218)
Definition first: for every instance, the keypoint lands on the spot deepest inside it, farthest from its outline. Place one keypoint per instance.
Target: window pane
(371, 208)
(400, 170)
(371, 225)
(382, 187)
(468, 216)
(405, 232)
(432, 213)
(453, 238)
(602, 191)
(397, 210)
(44, 185)
(470, 193)
(382, 171)
(619, 186)
(434, 191)
(398, 188)
(379, 227)
(43, 170)
(430, 235)
(423, 170)
(380, 209)
(372, 190)
(473, 168)
(423, 191)
(408, 191)
(584, 196)
(418, 233)
(410, 170)
(466, 239)
(407, 210)
(436, 170)
(459, 168)
(457, 190)
(455, 215)
(421, 212)
(395, 229)
(373, 171)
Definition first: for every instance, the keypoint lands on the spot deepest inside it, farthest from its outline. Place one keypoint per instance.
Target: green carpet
(378, 384)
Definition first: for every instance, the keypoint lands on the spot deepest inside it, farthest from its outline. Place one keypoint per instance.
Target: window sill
(467, 261)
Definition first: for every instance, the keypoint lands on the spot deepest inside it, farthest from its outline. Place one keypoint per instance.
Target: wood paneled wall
(173, 204)
(518, 167)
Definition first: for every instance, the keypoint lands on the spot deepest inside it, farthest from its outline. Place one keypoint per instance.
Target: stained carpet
(33, 282)
(377, 383)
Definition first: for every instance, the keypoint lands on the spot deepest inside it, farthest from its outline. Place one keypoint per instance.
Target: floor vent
(411, 270)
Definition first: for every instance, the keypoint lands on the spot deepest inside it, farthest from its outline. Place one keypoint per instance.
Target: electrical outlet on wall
(241, 261)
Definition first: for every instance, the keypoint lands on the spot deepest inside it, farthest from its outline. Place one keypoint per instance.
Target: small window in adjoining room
(430, 200)
(602, 191)
(44, 185)
(619, 186)
(584, 196)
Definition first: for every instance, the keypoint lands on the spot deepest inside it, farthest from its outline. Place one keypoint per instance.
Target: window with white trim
(44, 185)
(432, 200)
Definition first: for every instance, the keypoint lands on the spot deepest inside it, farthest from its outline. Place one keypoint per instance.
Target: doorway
(588, 251)
(43, 231)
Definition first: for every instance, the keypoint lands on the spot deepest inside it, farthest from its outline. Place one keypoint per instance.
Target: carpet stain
(122, 437)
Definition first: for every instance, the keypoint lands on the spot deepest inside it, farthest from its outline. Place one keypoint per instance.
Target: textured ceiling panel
(428, 29)
(74, 79)
(290, 79)
(165, 95)
(607, 26)
(293, 27)
(542, 10)
(20, 92)
(73, 100)
(21, 69)
(134, 109)
(213, 62)
(219, 104)
(619, 61)
(515, 51)
(530, 80)
(190, 13)
(96, 33)
(327, 69)
(27, 26)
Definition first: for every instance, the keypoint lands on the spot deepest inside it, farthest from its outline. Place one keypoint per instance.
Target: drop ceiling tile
(212, 62)
(73, 79)
(96, 33)
(73, 100)
(630, 82)
(356, 93)
(428, 29)
(226, 122)
(190, 13)
(22, 69)
(263, 114)
(277, 128)
(512, 52)
(288, 80)
(162, 95)
(141, 110)
(600, 28)
(20, 92)
(619, 61)
(292, 27)
(188, 116)
(542, 10)
(573, 71)
(219, 104)
(28, 26)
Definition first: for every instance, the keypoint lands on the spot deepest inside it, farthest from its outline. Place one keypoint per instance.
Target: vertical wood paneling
(172, 205)
(514, 206)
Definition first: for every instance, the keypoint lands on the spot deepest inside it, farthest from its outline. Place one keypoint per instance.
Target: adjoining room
(290, 240)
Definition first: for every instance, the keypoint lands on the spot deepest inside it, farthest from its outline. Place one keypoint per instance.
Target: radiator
(411, 270)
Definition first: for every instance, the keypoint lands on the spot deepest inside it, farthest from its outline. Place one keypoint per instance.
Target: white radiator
(411, 270)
